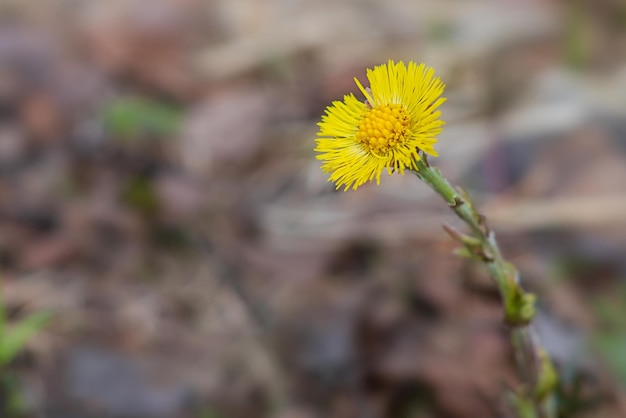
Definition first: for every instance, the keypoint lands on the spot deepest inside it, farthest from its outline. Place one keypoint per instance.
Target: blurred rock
(565, 344)
(226, 130)
(115, 386)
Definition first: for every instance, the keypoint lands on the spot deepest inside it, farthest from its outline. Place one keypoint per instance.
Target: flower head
(399, 119)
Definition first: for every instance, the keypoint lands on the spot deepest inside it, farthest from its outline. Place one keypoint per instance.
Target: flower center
(383, 128)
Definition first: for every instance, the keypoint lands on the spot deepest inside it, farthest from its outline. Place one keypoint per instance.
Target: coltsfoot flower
(358, 140)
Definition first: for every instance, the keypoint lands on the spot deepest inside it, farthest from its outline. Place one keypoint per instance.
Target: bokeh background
(160, 197)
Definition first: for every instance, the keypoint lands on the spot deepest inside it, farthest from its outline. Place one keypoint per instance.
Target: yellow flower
(358, 140)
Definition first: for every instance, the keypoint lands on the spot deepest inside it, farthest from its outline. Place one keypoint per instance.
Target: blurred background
(160, 199)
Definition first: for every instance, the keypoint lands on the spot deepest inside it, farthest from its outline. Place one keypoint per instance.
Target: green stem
(2, 311)
(501, 271)
(535, 368)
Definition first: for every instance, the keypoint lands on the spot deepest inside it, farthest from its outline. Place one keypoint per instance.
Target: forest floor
(160, 196)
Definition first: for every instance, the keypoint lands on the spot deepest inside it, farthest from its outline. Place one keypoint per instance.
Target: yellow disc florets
(383, 128)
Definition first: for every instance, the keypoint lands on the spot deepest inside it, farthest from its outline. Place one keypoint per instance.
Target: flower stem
(539, 378)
